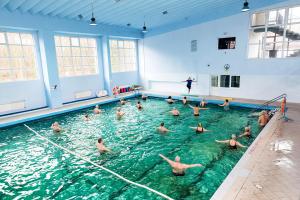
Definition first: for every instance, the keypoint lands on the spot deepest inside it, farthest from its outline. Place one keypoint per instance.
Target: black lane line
(187, 190)
(174, 150)
(73, 180)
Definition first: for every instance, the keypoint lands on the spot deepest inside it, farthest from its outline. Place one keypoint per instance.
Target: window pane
(214, 81)
(292, 49)
(57, 41)
(276, 17)
(294, 15)
(13, 38)
(2, 38)
(16, 51)
(4, 63)
(274, 34)
(28, 51)
(5, 75)
(75, 41)
(77, 57)
(224, 81)
(258, 19)
(256, 35)
(293, 32)
(273, 50)
(255, 51)
(235, 81)
(3, 51)
(27, 39)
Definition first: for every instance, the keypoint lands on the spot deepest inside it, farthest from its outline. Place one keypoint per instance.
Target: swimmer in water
(178, 168)
(97, 110)
(119, 113)
(262, 120)
(247, 132)
(55, 127)
(144, 97)
(197, 109)
(101, 147)
(184, 101)
(232, 143)
(199, 128)
(189, 82)
(225, 104)
(122, 101)
(86, 117)
(139, 105)
(203, 103)
(170, 100)
(162, 128)
(175, 112)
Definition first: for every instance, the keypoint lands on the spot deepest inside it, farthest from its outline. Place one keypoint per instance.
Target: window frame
(135, 52)
(284, 49)
(36, 53)
(211, 81)
(71, 56)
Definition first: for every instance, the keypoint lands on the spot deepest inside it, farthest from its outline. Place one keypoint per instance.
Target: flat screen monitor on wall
(226, 43)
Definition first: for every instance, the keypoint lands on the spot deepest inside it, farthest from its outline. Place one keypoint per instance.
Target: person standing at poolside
(119, 113)
(225, 104)
(232, 143)
(189, 82)
(55, 127)
(101, 147)
(178, 168)
(175, 112)
(197, 109)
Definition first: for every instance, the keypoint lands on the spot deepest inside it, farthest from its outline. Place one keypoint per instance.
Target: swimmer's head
(174, 108)
(86, 116)
(138, 102)
(189, 78)
(226, 100)
(55, 124)
(199, 125)
(96, 106)
(247, 129)
(99, 140)
(197, 105)
(119, 109)
(177, 159)
(233, 136)
(169, 97)
(184, 97)
(162, 124)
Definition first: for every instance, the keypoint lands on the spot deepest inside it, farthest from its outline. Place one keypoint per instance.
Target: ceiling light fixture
(144, 30)
(245, 6)
(93, 19)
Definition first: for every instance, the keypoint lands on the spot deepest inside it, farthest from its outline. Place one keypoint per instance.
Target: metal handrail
(271, 101)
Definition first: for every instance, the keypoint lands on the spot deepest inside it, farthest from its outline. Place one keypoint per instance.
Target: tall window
(76, 56)
(214, 81)
(235, 81)
(275, 33)
(122, 55)
(224, 80)
(17, 57)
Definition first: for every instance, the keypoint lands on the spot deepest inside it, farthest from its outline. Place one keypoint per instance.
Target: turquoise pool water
(33, 169)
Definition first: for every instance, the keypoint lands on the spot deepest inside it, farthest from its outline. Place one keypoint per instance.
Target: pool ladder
(267, 103)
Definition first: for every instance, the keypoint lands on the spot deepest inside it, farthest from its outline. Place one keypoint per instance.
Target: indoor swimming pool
(31, 168)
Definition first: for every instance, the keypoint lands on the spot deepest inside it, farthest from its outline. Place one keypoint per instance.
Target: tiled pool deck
(269, 170)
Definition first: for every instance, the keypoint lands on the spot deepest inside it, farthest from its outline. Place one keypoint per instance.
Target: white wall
(166, 59)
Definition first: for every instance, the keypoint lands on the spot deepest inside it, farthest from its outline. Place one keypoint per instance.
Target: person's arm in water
(203, 108)
(222, 141)
(192, 107)
(186, 166)
(166, 159)
(240, 145)
(242, 134)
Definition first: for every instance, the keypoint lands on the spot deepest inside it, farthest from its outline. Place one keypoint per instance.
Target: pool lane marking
(99, 166)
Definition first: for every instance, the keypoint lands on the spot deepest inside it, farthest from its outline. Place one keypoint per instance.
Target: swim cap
(199, 124)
